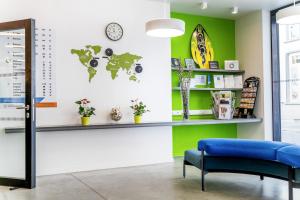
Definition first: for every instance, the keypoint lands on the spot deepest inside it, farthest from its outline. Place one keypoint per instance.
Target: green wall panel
(186, 137)
(222, 34)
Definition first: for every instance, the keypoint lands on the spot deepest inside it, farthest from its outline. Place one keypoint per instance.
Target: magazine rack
(248, 97)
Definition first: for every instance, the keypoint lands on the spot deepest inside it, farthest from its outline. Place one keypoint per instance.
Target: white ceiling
(221, 8)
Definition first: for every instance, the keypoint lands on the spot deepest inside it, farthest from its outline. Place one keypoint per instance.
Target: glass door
(17, 110)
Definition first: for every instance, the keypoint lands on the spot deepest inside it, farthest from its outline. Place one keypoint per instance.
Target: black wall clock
(109, 52)
(114, 31)
(94, 62)
(138, 68)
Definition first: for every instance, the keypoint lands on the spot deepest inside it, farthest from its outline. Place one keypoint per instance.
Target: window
(293, 32)
(293, 78)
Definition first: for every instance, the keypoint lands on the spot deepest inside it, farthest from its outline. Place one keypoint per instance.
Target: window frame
(276, 117)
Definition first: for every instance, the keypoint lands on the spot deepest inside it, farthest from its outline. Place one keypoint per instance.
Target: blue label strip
(19, 100)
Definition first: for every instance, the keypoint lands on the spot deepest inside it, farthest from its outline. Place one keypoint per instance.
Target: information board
(12, 69)
(45, 68)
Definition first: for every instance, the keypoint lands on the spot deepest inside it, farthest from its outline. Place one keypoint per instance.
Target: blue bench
(263, 158)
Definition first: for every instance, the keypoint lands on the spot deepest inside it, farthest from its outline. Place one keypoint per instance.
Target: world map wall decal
(86, 56)
(90, 55)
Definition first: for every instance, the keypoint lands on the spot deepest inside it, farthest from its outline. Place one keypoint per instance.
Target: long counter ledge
(132, 125)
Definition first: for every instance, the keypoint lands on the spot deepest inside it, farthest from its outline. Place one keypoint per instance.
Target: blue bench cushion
(289, 155)
(257, 149)
(193, 157)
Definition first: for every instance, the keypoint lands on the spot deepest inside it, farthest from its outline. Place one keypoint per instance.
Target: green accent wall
(222, 35)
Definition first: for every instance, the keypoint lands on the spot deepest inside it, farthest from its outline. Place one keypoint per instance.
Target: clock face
(114, 31)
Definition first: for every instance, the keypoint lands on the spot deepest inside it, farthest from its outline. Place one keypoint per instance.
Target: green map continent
(86, 55)
(125, 62)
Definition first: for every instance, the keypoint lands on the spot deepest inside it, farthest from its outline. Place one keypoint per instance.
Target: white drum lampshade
(165, 27)
(289, 15)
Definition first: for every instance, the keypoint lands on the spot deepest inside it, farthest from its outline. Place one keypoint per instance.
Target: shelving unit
(212, 70)
(223, 71)
(211, 89)
(205, 90)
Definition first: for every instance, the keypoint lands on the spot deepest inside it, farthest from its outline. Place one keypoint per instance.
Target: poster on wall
(45, 68)
(12, 69)
(12, 75)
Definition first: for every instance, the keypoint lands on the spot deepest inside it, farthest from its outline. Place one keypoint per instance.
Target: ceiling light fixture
(234, 10)
(203, 5)
(165, 27)
(289, 15)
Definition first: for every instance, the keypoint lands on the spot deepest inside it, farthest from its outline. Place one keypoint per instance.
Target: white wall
(253, 47)
(78, 23)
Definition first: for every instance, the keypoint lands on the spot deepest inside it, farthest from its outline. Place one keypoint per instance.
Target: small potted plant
(139, 108)
(85, 111)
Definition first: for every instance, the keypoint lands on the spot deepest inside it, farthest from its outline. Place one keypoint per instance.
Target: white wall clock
(114, 31)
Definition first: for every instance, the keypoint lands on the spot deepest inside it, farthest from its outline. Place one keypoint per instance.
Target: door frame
(276, 117)
(30, 126)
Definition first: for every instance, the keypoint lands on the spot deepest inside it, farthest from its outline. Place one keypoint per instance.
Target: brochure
(218, 81)
(238, 81)
(229, 81)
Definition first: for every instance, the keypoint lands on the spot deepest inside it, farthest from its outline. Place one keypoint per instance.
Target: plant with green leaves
(84, 109)
(138, 107)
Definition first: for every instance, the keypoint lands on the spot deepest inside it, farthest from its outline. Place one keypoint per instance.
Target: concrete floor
(162, 181)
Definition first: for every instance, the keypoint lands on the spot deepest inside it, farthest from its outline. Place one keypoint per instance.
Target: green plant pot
(137, 119)
(85, 121)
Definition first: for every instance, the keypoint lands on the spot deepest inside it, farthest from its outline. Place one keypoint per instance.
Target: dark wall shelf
(132, 125)
(213, 70)
(211, 89)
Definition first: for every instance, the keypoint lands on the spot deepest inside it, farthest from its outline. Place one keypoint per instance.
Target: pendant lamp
(165, 27)
(289, 15)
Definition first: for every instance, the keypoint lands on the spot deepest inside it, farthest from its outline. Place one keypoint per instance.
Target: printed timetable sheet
(12, 75)
(45, 68)
(12, 71)
(12, 68)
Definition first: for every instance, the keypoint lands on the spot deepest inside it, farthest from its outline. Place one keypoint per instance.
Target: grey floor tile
(58, 187)
(153, 182)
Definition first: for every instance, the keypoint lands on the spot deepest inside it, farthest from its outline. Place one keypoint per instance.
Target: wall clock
(94, 62)
(114, 31)
(109, 52)
(138, 68)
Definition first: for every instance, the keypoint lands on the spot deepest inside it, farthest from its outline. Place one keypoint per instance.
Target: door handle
(27, 107)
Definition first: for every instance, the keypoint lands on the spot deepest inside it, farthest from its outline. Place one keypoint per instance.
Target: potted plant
(139, 108)
(85, 111)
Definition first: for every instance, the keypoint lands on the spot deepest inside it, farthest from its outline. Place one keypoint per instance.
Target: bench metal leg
(262, 177)
(183, 172)
(290, 190)
(202, 171)
(290, 175)
(202, 181)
